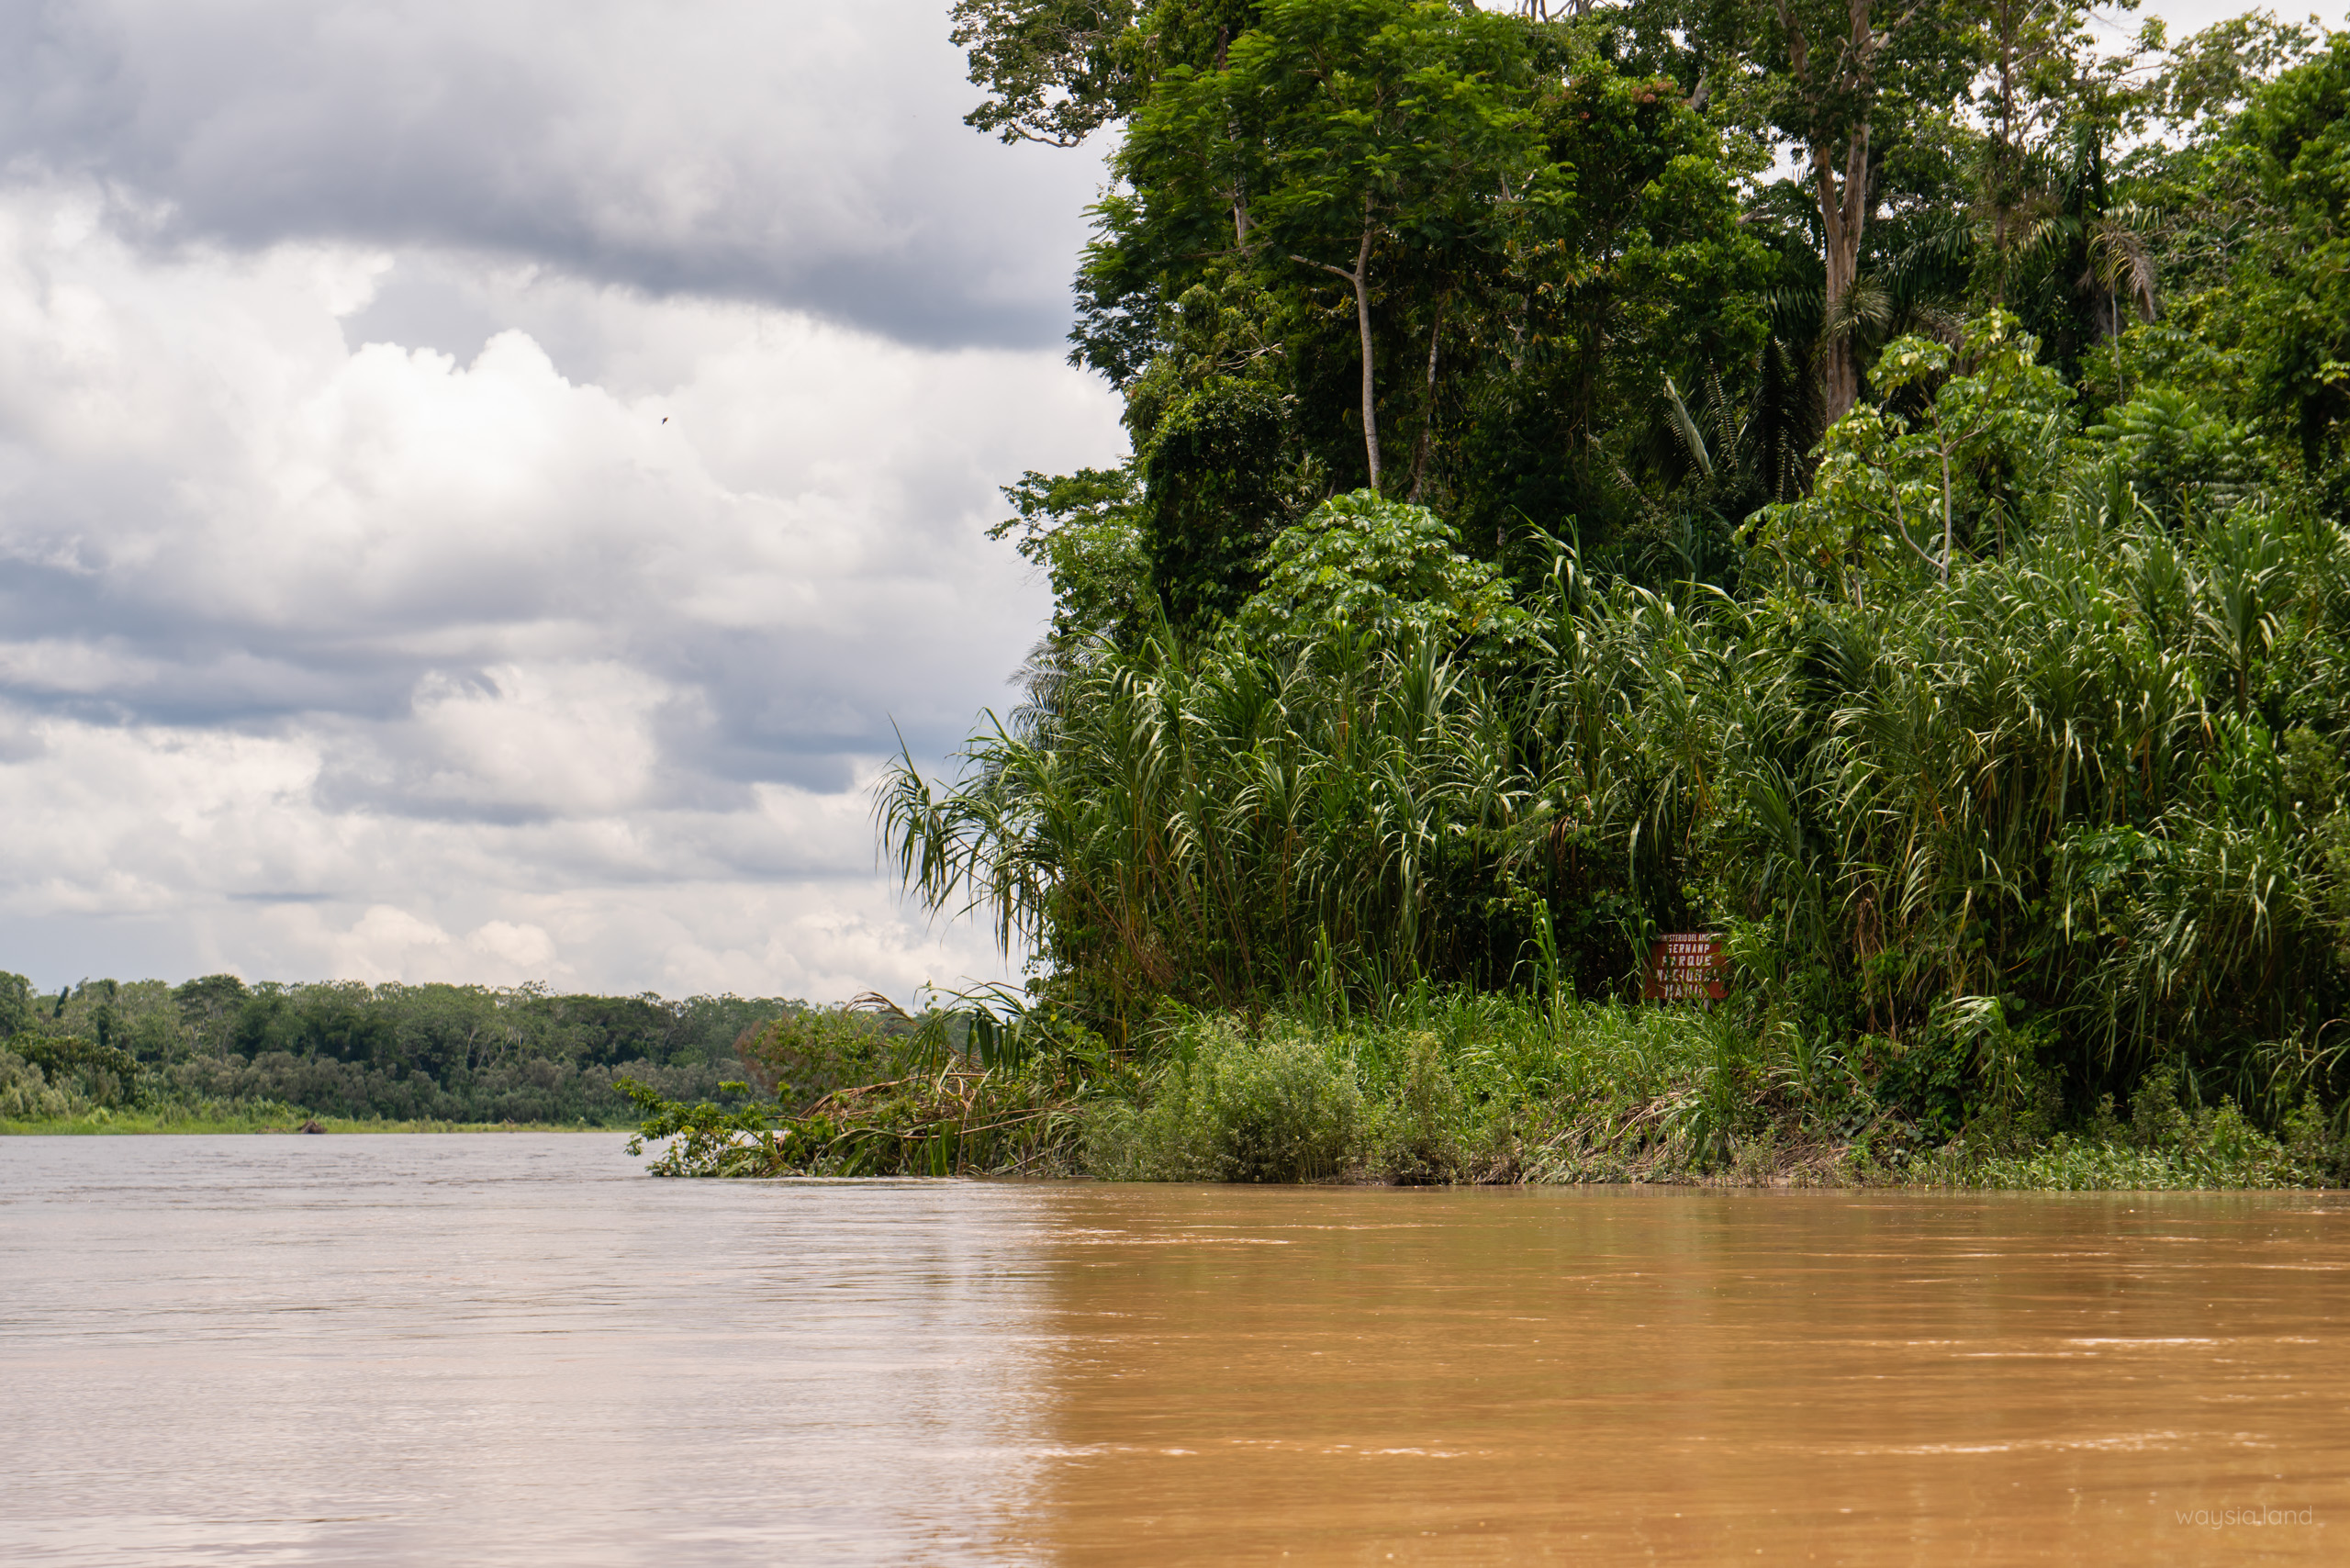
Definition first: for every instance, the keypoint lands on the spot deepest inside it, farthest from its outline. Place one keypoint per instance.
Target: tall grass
(2093, 783)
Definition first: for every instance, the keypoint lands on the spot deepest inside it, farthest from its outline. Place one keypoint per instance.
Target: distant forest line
(218, 1046)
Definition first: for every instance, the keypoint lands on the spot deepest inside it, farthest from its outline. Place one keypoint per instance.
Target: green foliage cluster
(28, 1095)
(1549, 526)
(1387, 243)
(980, 1086)
(425, 1053)
(1280, 1106)
(82, 1070)
(1364, 567)
(2163, 1146)
(1611, 274)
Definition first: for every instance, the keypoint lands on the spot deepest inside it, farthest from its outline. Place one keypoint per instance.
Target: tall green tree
(1057, 71)
(1341, 136)
(2297, 279)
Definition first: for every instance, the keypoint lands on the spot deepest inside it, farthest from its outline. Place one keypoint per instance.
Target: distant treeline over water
(462, 1053)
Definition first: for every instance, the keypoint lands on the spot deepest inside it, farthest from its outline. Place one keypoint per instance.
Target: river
(517, 1350)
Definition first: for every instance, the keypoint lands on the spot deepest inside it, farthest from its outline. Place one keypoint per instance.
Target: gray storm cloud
(222, 512)
(799, 153)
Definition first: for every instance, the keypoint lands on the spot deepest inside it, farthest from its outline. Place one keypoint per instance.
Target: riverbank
(1430, 1088)
(1466, 1088)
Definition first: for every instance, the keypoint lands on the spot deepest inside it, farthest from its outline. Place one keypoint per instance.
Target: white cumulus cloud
(327, 655)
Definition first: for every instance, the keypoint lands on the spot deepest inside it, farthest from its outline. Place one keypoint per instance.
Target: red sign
(1688, 966)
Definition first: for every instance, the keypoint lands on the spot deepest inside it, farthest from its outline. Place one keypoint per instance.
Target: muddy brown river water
(510, 1350)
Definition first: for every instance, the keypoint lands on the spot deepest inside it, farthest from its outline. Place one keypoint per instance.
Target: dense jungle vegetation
(1866, 479)
(215, 1053)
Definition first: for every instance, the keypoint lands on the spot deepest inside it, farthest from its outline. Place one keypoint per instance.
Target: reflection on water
(498, 1349)
(1614, 1375)
(516, 1348)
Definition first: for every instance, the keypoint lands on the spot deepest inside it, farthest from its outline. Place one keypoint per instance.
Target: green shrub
(82, 1070)
(2163, 1146)
(1229, 1108)
(2313, 1142)
(1421, 1126)
(26, 1095)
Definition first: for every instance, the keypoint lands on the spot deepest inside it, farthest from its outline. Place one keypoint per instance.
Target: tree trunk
(1239, 184)
(1361, 280)
(1427, 408)
(1944, 440)
(1843, 200)
(1843, 210)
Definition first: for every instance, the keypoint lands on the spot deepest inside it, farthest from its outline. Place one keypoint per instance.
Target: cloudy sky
(484, 483)
(480, 480)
